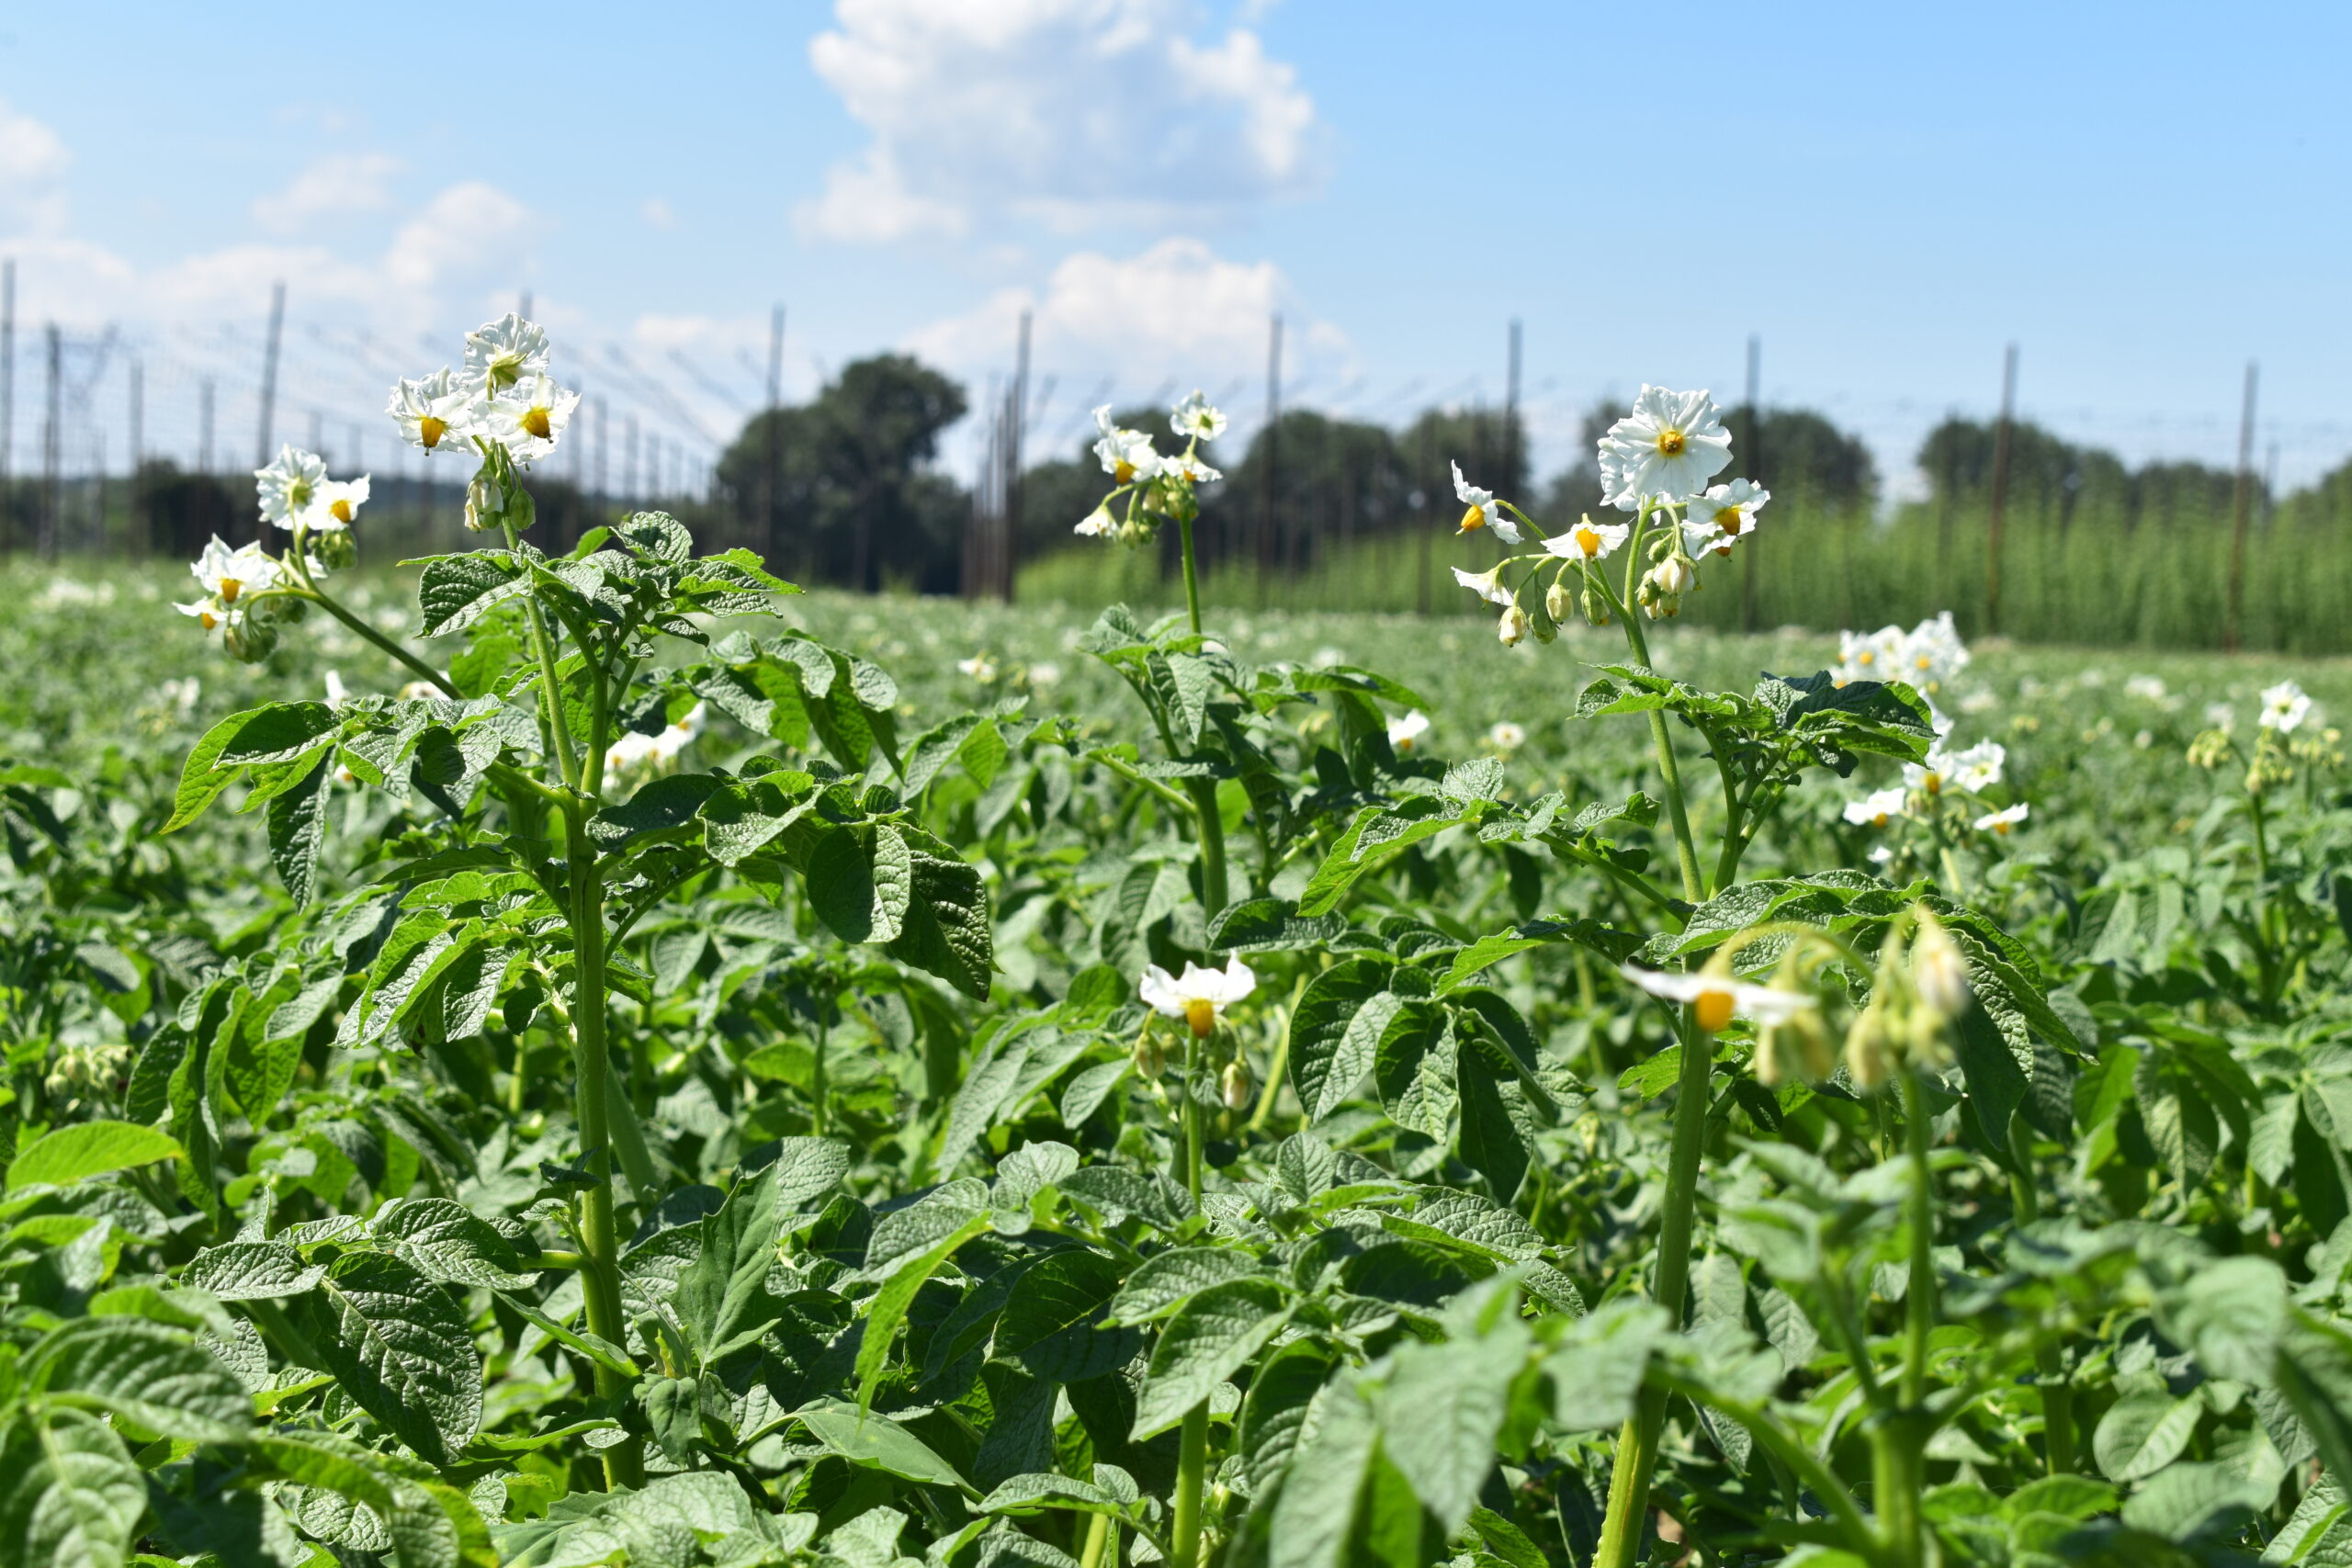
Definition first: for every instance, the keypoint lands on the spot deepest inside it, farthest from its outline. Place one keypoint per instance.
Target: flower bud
(1558, 601)
(1150, 1060)
(249, 640)
(1674, 575)
(335, 549)
(1512, 628)
(1233, 1086)
(2210, 749)
(1939, 971)
(1797, 1048)
(1596, 609)
(1869, 1060)
(481, 506)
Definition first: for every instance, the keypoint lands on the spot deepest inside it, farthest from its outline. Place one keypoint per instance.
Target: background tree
(855, 501)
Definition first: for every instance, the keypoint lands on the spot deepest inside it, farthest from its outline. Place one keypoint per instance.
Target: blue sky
(2143, 197)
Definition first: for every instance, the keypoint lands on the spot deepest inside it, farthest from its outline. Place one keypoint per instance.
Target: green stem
(2049, 1364)
(1098, 1532)
(1192, 1470)
(291, 1340)
(551, 688)
(1191, 575)
(592, 1070)
(1629, 1481)
(1919, 1297)
(1661, 741)
(820, 1116)
(414, 665)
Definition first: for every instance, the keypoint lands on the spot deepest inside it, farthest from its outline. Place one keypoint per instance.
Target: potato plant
(648, 1089)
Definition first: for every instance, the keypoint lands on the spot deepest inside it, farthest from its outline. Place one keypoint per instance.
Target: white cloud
(1177, 311)
(1074, 113)
(32, 164)
(335, 184)
(471, 233)
(657, 212)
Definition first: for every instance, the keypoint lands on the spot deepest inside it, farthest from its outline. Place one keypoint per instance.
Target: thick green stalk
(820, 1096)
(1192, 1468)
(1919, 1297)
(1098, 1533)
(2049, 1364)
(551, 688)
(1686, 850)
(592, 1070)
(1629, 1480)
(1191, 575)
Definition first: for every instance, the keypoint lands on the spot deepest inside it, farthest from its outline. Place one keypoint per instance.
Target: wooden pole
(1753, 464)
(1015, 427)
(2000, 491)
(51, 436)
(1266, 470)
(770, 478)
(269, 371)
(2241, 509)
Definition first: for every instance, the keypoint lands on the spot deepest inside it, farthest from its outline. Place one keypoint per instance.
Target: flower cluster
(1199, 997)
(1656, 463)
(502, 404)
(1153, 485)
(247, 592)
(2286, 735)
(1925, 657)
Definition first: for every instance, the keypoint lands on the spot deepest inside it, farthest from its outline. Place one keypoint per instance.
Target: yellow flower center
(535, 422)
(208, 620)
(429, 431)
(1935, 783)
(1713, 1009)
(2001, 827)
(1200, 1014)
(1475, 517)
(1865, 657)
(1403, 743)
(1669, 442)
(230, 587)
(1124, 472)
(1588, 540)
(1922, 662)
(340, 510)
(1728, 520)
(1879, 821)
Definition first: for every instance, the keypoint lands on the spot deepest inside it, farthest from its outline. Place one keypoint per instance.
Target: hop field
(606, 1059)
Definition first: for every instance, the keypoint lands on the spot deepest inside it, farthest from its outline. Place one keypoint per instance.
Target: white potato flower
(1505, 736)
(1878, 808)
(1403, 733)
(1933, 652)
(530, 416)
(979, 667)
(1715, 998)
(1187, 466)
(230, 575)
(1726, 513)
(1481, 510)
(1589, 540)
(289, 487)
(2147, 688)
(1126, 455)
(337, 693)
(502, 353)
(432, 412)
(1666, 449)
(1199, 996)
(1097, 524)
(339, 504)
(1486, 585)
(2002, 821)
(1195, 418)
(2284, 708)
(1971, 771)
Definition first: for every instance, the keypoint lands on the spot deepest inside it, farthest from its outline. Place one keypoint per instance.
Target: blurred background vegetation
(1318, 512)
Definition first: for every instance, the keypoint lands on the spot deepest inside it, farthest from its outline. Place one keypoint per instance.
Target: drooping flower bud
(1233, 1086)
(336, 550)
(1512, 628)
(1558, 601)
(1869, 1061)
(1150, 1060)
(249, 639)
(1939, 969)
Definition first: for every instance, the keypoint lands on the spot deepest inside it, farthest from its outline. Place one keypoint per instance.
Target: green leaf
(298, 827)
(278, 733)
(1208, 1341)
(721, 1293)
(1440, 1412)
(1168, 1280)
(457, 591)
(2144, 1432)
(860, 880)
(199, 785)
(1328, 1053)
(143, 1373)
(877, 1442)
(1053, 1322)
(70, 1497)
(84, 1149)
(403, 1350)
(1491, 1143)
(888, 1308)
(1271, 925)
(449, 1241)
(1314, 1510)
(948, 931)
